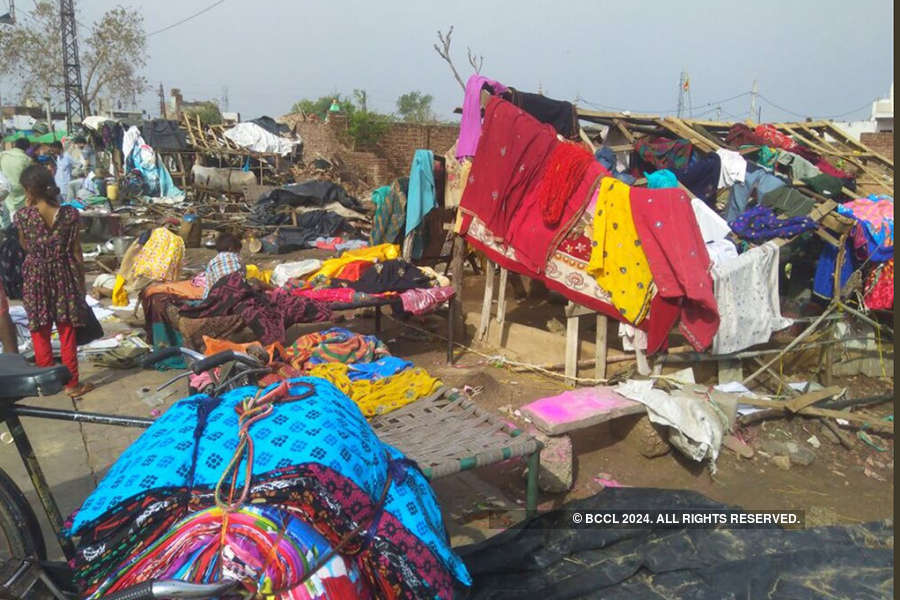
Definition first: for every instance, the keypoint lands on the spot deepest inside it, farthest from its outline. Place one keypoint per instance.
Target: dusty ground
(840, 485)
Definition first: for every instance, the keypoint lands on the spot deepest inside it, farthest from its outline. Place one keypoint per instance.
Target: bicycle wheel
(20, 533)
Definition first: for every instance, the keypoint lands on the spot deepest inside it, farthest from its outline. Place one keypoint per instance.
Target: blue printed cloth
(327, 429)
(383, 367)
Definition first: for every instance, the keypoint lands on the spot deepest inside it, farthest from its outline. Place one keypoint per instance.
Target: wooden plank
(730, 370)
(580, 408)
(821, 412)
(486, 302)
(501, 306)
(800, 402)
(621, 127)
(571, 349)
(600, 347)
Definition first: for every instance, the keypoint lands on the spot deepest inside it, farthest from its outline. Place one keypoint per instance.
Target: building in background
(881, 119)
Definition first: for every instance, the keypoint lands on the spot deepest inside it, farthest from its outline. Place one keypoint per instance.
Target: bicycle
(27, 563)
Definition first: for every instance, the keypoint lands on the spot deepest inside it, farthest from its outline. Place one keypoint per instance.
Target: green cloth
(825, 184)
(800, 168)
(788, 201)
(12, 163)
(36, 139)
(767, 157)
(335, 107)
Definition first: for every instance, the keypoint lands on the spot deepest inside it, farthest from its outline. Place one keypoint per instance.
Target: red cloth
(327, 294)
(512, 152)
(679, 262)
(741, 135)
(775, 138)
(43, 351)
(535, 241)
(353, 271)
(829, 169)
(565, 169)
(880, 288)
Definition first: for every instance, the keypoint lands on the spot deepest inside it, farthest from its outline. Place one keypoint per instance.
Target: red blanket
(511, 155)
(679, 262)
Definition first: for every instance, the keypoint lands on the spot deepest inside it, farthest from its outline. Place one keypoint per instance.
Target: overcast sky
(817, 58)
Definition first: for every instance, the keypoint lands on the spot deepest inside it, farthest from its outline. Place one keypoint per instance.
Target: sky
(816, 58)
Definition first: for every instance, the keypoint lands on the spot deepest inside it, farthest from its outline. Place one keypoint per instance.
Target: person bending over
(226, 262)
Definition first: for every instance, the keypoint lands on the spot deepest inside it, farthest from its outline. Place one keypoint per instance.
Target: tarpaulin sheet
(532, 560)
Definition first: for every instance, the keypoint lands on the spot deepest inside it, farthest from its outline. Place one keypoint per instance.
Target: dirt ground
(839, 486)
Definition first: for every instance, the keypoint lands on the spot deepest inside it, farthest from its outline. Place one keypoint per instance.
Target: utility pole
(684, 86)
(71, 65)
(754, 102)
(49, 116)
(224, 98)
(10, 17)
(162, 101)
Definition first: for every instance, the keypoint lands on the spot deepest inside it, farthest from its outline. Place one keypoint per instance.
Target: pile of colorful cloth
(317, 479)
(359, 365)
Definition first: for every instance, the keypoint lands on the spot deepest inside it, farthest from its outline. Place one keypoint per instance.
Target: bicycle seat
(18, 379)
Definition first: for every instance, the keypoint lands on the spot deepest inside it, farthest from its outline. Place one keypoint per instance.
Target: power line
(803, 116)
(186, 19)
(660, 112)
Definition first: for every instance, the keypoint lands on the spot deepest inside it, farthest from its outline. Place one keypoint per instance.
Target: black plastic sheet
(533, 561)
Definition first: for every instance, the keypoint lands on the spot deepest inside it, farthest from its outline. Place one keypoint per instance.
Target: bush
(367, 128)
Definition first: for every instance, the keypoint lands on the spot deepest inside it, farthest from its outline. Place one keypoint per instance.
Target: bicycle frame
(10, 415)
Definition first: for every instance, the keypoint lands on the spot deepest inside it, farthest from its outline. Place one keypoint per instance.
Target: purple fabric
(761, 223)
(470, 124)
(422, 300)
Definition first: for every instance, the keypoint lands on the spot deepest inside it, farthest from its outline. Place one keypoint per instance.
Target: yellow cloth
(119, 295)
(254, 272)
(617, 260)
(379, 396)
(378, 253)
(160, 258)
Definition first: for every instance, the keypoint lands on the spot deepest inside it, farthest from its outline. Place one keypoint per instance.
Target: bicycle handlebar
(210, 362)
(171, 588)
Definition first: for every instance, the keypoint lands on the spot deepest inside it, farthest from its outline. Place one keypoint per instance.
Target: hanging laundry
(828, 186)
(559, 113)
(457, 177)
(761, 223)
(389, 220)
(420, 199)
(606, 157)
(829, 169)
(755, 186)
(875, 217)
(470, 123)
(712, 226)
(797, 167)
(767, 157)
(879, 294)
(788, 201)
(775, 138)
(741, 135)
(746, 289)
(664, 153)
(617, 260)
(662, 179)
(733, 168)
(823, 281)
(511, 157)
(702, 177)
(671, 239)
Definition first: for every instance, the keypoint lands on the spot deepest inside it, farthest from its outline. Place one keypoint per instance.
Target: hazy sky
(817, 58)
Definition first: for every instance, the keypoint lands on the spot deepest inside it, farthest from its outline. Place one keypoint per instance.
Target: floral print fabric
(52, 292)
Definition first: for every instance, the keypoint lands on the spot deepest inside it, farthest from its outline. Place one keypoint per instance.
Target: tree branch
(444, 52)
(476, 61)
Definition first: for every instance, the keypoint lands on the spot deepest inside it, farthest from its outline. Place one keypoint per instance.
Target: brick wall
(881, 142)
(402, 140)
(387, 160)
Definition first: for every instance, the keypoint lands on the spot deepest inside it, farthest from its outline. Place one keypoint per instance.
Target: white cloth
(746, 290)
(129, 139)
(285, 271)
(721, 251)
(632, 337)
(254, 137)
(712, 226)
(698, 426)
(94, 122)
(734, 168)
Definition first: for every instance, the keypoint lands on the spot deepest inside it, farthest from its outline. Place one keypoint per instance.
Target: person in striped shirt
(226, 262)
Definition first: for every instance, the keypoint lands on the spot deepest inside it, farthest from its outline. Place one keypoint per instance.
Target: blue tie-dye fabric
(326, 428)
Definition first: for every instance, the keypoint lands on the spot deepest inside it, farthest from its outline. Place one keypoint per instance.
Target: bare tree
(443, 50)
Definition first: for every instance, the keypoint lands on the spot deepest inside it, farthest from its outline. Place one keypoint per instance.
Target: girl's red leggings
(43, 352)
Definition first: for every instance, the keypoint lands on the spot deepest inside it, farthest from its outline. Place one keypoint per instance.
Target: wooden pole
(457, 257)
